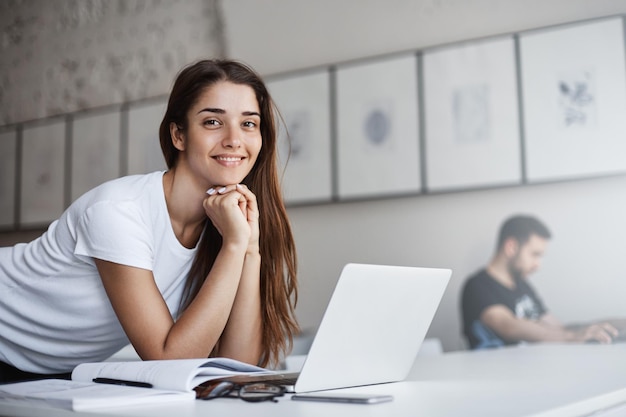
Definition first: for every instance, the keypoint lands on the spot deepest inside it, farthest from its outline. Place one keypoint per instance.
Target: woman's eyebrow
(212, 110)
(222, 111)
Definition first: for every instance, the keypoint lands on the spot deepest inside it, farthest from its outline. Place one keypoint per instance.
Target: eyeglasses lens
(260, 392)
(251, 392)
(211, 391)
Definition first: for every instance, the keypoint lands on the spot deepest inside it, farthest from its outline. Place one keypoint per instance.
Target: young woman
(192, 262)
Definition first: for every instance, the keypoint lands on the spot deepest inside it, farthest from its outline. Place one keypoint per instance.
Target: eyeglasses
(253, 393)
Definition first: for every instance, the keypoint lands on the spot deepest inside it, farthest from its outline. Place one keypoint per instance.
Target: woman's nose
(231, 139)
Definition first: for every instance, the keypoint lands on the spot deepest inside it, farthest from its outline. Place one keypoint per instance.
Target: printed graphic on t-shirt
(526, 308)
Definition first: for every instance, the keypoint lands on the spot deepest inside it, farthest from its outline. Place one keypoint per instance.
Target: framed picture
(471, 115)
(144, 149)
(304, 140)
(42, 188)
(574, 98)
(95, 150)
(8, 156)
(377, 128)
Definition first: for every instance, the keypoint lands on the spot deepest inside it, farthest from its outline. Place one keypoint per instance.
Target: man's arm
(618, 324)
(550, 320)
(614, 326)
(548, 329)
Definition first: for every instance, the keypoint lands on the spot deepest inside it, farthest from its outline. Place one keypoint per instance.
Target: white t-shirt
(54, 312)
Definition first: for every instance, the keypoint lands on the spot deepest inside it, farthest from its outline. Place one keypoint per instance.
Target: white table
(538, 381)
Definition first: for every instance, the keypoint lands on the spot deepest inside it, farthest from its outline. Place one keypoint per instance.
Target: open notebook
(372, 329)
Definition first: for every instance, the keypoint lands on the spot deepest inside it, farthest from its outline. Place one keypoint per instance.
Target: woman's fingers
(221, 189)
(247, 202)
(251, 203)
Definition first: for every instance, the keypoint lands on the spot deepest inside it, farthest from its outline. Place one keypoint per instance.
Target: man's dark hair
(521, 228)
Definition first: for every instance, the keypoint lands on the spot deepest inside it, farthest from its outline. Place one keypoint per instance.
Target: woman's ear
(178, 136)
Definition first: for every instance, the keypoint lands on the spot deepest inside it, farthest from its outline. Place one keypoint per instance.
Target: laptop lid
(373, 326)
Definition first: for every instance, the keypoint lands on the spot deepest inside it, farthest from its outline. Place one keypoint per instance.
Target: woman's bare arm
(145, 317)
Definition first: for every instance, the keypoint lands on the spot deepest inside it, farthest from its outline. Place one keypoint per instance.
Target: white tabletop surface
(538, 381)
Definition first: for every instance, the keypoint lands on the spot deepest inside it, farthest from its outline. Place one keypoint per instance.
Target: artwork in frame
(471, 115)
(42, 187)
(378, 128)
(8, 144)
(574, 98)
(144, 149)
(304, 139)
(95, 150)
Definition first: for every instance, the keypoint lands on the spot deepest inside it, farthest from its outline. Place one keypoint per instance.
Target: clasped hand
(234, 212)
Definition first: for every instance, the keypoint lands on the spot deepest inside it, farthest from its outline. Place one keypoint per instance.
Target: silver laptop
(372, 329)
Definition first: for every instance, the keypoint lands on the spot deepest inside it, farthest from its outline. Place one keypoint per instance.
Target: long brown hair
(278, 255)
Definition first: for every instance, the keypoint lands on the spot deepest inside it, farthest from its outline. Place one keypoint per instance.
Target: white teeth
(228, 159)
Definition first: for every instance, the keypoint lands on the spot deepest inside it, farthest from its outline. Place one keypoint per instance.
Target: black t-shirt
(481, 291)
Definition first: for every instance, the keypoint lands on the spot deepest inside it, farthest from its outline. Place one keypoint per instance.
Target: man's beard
(515, 272)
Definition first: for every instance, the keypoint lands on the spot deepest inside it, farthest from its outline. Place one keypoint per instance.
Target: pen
(122, 382)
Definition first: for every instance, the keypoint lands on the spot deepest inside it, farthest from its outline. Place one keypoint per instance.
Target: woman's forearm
(203, 323)
(242, 337)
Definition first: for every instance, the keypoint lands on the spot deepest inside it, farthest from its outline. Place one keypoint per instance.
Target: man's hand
(598, 332)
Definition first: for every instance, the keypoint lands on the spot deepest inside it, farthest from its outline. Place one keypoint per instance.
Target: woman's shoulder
(125, 188)
(128, 200)
(132, 182)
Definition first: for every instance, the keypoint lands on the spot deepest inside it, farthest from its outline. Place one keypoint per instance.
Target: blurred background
(65, 57)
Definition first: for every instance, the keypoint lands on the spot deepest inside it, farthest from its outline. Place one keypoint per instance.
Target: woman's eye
(211, 122)
(249, 123)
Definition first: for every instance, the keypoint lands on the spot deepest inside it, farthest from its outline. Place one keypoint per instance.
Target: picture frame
(42, 185)
(378, 152)
(574, 99)
(304, 136)
(95, 150)
(471, 114)
(144, 153)
(8, 175)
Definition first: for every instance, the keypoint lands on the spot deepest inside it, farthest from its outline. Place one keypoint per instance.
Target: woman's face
(223, 137)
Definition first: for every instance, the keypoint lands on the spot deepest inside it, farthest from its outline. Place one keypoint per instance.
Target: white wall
(582, 277)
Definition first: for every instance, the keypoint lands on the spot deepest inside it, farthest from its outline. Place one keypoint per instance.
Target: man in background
(499, 305)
